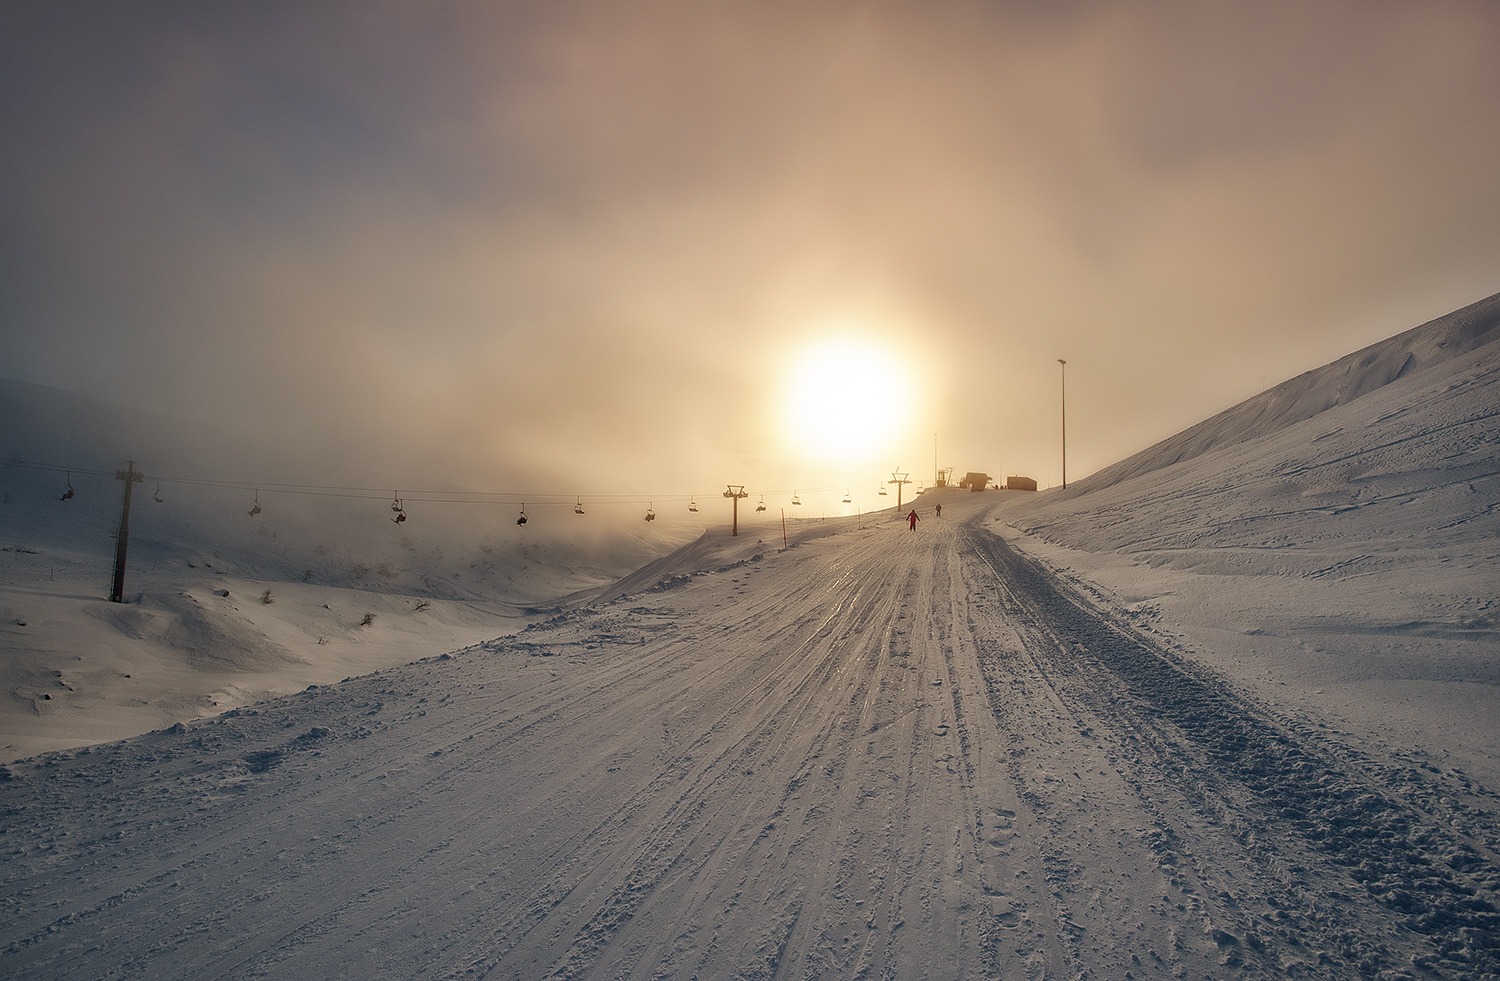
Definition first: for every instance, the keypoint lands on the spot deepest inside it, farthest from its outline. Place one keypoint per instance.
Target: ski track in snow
(881, 754)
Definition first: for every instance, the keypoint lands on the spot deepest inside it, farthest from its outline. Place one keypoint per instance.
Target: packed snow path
(878, 754)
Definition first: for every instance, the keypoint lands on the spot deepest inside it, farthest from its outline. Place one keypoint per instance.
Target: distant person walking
(939, 510)
(912, 518)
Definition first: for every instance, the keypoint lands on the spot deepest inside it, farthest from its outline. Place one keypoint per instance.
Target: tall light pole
(1064, 422)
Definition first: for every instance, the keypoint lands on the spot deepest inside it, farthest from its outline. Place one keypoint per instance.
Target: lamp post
(1064, 422)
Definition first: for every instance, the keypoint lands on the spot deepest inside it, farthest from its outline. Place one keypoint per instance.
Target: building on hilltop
(1020, 483)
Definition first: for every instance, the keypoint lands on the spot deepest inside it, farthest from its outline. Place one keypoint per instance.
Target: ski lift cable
(425, 496)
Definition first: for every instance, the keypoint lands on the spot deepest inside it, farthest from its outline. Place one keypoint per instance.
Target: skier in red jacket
(913, 519)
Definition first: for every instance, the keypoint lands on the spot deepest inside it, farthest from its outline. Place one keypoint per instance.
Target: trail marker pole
(122, 538)
(734, 493)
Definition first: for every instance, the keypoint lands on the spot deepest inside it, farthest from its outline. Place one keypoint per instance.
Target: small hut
(1020, 483)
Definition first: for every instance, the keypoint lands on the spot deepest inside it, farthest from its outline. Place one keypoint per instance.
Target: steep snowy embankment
(1350, 560)
(1354, 376)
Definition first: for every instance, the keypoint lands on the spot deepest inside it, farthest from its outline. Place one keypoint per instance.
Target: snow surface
(1334, 541)
(1227, 713)
(226, 609)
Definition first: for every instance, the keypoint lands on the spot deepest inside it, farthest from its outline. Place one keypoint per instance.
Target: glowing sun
(844, 399)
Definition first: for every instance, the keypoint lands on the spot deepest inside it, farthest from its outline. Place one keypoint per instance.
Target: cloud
(572, 244)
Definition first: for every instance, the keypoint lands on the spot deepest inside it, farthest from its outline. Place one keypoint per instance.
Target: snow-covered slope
(877, 753)
(1238, 721)
(223, 607)
(1351, 556)
(1312, 393)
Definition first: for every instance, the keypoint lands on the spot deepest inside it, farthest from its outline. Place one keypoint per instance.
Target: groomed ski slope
(875, 754)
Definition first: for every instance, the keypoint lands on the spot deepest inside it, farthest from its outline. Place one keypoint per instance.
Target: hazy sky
(588, 247)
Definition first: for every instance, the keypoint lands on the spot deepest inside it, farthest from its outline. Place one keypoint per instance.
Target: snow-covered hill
(1343, 381)
(1233, 718)
(224, 608)
(1347, 557)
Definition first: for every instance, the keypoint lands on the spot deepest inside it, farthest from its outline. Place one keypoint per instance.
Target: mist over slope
(225, 606)
(1210, 738)
(201, 487)
(1338, 529)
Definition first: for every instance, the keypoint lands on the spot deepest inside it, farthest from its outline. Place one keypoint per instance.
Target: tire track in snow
(882, 754)
(788, 697)
(1354, 877)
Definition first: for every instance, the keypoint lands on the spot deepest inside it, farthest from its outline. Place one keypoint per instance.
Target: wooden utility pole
(122, 539)
(734, 493)
(899, 479)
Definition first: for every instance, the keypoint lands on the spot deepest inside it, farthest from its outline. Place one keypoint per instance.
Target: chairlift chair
(881, 488)
(795, 500)
(651, 511)
(762, 505)
(692, 504)
(157, 496)
(68, 494)
(847, 498)
(255, 508)
(578, 508)
(522, 519)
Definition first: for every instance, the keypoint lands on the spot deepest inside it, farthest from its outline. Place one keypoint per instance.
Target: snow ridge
(1314, 392)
